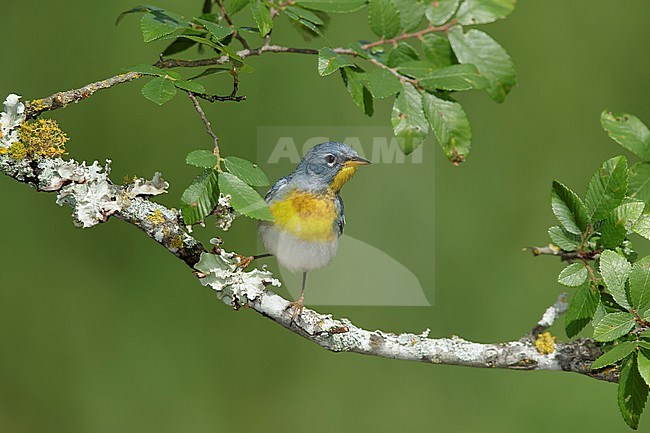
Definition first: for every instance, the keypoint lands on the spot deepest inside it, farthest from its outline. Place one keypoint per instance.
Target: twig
(402, 78)
(62, 99)
(552, 250)
(551, 314)
(206, 123)
(215, 98)
(235, 33)
(418, 34)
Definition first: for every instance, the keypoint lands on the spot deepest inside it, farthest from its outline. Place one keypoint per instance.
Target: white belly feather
(295, 254)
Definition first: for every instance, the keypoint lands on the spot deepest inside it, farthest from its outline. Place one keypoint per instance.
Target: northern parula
(308, 211)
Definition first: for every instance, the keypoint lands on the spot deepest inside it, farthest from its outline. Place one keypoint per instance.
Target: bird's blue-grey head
(327, 166)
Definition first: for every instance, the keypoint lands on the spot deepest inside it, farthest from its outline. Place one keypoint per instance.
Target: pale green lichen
(233, 286)
(10, 119)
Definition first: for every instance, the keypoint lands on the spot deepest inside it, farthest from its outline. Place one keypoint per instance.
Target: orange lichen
(177, 242)
(156, 217)
(43, 138)
(17, 151)
(545, 343)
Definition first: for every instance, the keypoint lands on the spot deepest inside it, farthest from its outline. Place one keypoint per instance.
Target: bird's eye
(330, 159)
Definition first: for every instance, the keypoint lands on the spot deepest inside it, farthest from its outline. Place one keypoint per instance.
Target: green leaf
(411, 13)
(568, 209)
(615, 270)
(177, 46)
(219, 32)
(613, 326)
(491, 60)
(243, 198)
(632, 393)
(305, 14)
(642, 226)
(236, 6)
(437, 50)
(643, 365)
(141, 8)
(409, 123)
(155, 27)
(402, 53)
(383, 17)
(207, 7)
(484, 11)
(613, 231)
(200, 198)
(606, 188)
(382, 83)
(630, 210)
(573, 275)
(159, 90)
(190, 86)
(581, 309)
(262, 16)
(640, 182)
(450, 125)
(333, 6)
(329, 62)
(310, 26)
(640, 285)
(197, 39)
(628, 131)
(455, 77)
(354, 81)
(211, 71)
(614, 354)
(441, 11)
(601, 311)
(417, 68)
(245, 170)
(201, 158)
(564, 239)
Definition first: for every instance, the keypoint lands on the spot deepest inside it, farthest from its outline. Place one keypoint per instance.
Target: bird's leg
(244, 261)
(299, 303)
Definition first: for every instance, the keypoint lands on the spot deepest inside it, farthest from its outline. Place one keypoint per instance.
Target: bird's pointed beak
(355, 161)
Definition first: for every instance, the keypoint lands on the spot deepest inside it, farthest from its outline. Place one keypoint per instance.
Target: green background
(101, 330)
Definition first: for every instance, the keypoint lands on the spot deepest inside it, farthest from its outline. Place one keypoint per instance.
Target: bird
(308, 212)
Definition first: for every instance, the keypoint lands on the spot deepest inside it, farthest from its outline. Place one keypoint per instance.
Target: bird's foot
(244, 261)
(297, 306)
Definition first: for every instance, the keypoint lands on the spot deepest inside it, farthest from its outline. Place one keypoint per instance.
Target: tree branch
(206, 123)
(551, 314)
(62, 99)
(235, 33)
(553, 250)
(419, 34)
(87, 189)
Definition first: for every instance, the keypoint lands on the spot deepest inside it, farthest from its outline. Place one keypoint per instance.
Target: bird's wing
(281, 183)
(340, 220)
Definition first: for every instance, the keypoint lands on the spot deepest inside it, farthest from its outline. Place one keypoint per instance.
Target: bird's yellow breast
(306, 215)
